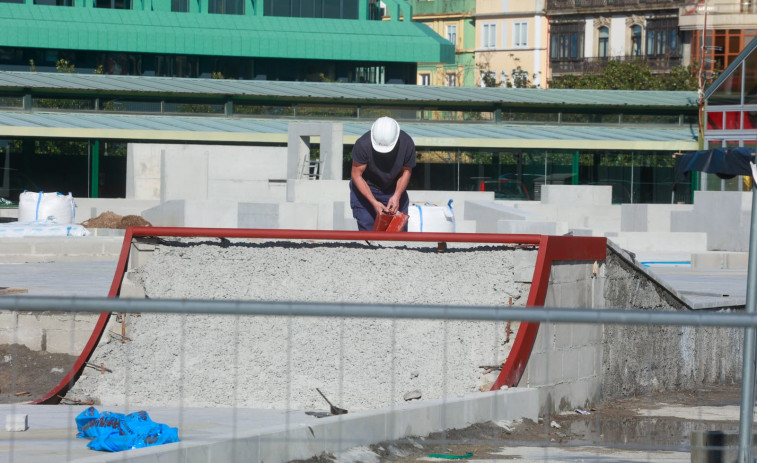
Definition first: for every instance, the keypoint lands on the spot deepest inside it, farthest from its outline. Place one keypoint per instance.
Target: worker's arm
(362, 186)
(394, 202)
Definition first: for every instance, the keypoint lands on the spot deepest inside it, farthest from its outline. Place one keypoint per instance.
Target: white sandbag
(431, 218)
(21, 229)
(46, 207)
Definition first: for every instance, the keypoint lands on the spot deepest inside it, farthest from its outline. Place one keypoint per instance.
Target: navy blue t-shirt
(383, 169)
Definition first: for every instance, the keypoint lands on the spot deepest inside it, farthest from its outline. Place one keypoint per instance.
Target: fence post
(748, 366)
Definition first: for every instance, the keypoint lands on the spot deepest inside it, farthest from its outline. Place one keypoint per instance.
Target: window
(604, 40)
(452, 33)
(636, 40)
(113, 4)
(451, 79)
(54, 2)
(226, 6)
(488, 35)
(180, 6)
(520, 34)
(424, 79)
(662, 37)
(338, 9)
(567, 41)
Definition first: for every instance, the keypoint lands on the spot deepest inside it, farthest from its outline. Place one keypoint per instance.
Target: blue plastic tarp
(114, 432)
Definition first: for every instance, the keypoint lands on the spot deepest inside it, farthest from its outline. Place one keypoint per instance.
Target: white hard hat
(384, 134)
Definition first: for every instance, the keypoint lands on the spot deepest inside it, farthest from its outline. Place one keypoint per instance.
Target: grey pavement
(89, 279)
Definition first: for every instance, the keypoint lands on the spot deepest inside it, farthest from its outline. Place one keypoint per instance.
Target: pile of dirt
(110, 219)
(26, 375)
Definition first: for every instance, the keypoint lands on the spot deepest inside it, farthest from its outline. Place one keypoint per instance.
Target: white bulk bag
(431, 218)
(46, 207)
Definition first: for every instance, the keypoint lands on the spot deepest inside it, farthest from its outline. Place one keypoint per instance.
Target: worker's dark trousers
(364, 212)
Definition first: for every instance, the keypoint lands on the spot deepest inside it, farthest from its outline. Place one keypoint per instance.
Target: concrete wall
(724, 215)
(160, 171)
(565, 362)
(55, 333)
(58, 249)
(645, 359)
(649, 217)
(574, 365)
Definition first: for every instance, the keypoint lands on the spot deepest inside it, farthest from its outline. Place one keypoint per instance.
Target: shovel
(334, 410)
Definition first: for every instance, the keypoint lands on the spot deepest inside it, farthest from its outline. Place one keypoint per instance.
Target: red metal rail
(551, 248)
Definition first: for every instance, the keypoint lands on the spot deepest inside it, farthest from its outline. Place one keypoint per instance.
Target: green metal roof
(344, 92)
(79, 28)
(426, 134)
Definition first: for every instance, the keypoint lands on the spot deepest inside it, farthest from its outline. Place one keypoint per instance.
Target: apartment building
(511, 43)
(719, 30)
(585, 34)
(452, 20)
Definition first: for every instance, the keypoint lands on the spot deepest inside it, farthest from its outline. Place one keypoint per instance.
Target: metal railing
(574, 4)
(395, 313)
(659, 63)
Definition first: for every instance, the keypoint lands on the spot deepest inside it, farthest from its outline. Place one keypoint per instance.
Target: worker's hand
(379, 206)
(393, 204)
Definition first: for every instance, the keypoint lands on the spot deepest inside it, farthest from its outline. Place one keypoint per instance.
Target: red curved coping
(551, 248)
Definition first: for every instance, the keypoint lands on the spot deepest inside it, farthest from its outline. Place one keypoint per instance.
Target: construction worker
(382, 160)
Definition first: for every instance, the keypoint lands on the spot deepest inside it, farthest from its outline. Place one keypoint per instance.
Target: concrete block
(166, 214)
(367, 428)
(553, 297)
(526, 227)
(543, 369)
(286, 445)
(184, 173)
(312, 191)
(581, 231)
(588, 361)
(711, 210)
(487, 214)
(241, 164)
(465, 226)
(258, 215)
(594, 195)
(64, 341)
(417, 420)
(524, 263)
(298, 216)
(655, 241)
(16, 422)
(563, 336)
(721, 260)
(232, 190)
(585, 334)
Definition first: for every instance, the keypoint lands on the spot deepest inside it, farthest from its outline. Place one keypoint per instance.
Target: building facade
(452, 20)
(585, 34)
(511, 43)
(313, 40)
(719, 30)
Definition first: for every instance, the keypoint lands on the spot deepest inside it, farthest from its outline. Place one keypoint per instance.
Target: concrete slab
(89, 278)
(276, 435)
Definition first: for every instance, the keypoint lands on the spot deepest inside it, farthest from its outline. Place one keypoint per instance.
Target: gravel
(278, 362)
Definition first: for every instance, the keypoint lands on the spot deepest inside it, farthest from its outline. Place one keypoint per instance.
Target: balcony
(574, 5)
(563, 66)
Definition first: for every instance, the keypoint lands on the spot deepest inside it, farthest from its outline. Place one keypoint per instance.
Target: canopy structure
(724, 162)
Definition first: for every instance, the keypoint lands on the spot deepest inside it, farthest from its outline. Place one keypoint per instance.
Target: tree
(630, 75)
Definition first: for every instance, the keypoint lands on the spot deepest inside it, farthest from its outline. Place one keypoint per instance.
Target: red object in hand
(386, 221)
